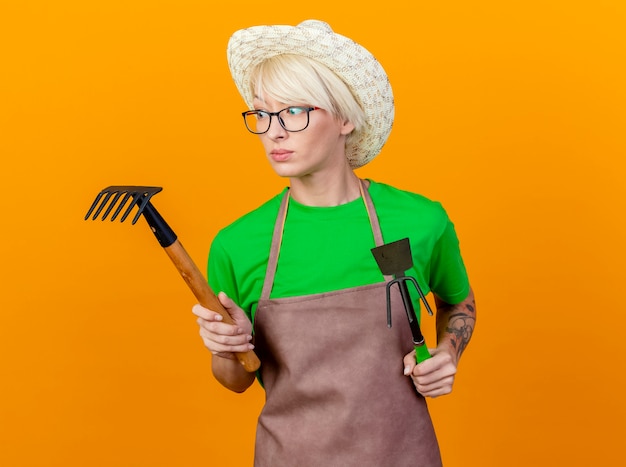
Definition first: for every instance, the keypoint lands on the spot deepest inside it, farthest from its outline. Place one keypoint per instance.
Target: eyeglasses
(292, 119)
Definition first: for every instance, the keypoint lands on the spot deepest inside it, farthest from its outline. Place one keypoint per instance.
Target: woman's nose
(276, 130)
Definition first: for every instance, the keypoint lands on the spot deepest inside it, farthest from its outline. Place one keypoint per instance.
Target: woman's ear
(347, 127)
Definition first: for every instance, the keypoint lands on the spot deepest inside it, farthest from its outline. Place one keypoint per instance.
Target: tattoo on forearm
(460, 325)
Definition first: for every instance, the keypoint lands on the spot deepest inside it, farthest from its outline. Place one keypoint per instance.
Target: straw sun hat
(351, 62)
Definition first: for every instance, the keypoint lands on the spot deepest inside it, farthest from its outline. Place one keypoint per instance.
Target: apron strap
(371, 213)
(277, 237)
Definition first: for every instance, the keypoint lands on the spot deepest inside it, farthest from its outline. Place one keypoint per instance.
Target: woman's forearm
(231, 374)
(455, 324)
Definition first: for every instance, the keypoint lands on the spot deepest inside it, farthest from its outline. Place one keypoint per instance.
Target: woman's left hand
(435, 376)
(455, 325)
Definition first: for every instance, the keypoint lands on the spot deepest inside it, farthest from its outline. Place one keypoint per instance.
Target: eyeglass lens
(291, 119)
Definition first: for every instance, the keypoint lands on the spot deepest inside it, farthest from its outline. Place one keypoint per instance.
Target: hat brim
(355, 65)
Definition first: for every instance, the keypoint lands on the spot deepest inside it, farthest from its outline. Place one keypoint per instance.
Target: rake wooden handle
(206, 297)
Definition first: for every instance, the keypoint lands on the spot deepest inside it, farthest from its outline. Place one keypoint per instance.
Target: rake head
(119, 196)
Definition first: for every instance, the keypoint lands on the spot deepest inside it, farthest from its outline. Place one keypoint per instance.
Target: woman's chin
(286, 170)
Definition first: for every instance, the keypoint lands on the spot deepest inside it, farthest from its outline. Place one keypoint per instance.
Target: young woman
(298, 276)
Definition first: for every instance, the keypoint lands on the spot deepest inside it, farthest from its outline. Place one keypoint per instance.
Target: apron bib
(332, 372)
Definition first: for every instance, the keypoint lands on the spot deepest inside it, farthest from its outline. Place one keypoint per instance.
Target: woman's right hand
(223, 339)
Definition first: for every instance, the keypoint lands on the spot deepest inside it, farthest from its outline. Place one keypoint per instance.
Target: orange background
(510, 113)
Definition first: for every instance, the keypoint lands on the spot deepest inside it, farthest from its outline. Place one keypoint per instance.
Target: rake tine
(141, 200)
(102, 205)
(93, 205)
(120, 206)
(145, 199)
(111, 205)
(130, 207)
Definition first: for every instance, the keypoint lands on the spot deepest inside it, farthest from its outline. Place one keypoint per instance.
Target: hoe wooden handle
(206, 297)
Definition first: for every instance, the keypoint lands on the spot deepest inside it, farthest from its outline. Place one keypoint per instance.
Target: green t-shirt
(329, 248)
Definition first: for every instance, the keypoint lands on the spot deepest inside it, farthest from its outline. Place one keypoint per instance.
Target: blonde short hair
(295, 79)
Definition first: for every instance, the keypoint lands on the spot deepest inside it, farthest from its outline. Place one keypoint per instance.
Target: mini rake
(118, 197)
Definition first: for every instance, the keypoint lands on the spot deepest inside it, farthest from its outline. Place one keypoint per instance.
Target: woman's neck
(323, 190)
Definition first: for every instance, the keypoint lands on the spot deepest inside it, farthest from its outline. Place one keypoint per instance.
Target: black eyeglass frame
(308, 110)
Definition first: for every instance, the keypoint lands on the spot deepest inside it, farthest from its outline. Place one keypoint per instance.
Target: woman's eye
(295, 110)
(262, 115)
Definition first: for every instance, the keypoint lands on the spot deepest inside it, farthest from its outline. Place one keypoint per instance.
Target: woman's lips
(280, 155)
